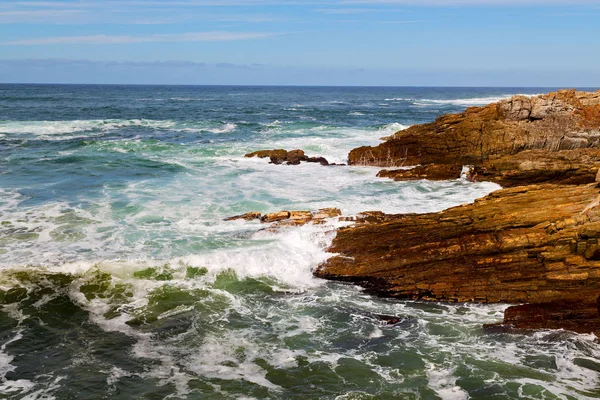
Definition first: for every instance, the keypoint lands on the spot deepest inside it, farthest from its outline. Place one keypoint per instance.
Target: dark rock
(320, 160)
(293, 157)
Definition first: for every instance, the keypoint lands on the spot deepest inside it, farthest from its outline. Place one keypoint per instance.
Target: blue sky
(313, 42)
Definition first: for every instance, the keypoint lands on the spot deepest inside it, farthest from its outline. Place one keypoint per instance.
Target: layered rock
(290, 218)
(535, 244)
(490, 137)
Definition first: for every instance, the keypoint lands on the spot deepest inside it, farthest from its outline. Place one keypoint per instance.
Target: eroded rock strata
(535, 242)
(554, 137)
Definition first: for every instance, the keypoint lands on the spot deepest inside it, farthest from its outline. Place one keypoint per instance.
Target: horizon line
(561, 87)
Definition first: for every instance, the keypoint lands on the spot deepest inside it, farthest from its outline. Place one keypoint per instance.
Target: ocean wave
(226, 128)
(392, 128)
(52, 128)
(473, 101)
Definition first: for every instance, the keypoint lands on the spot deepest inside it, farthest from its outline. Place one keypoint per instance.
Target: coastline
(533, 242)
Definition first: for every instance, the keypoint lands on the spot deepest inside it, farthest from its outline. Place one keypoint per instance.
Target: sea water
(120, 278)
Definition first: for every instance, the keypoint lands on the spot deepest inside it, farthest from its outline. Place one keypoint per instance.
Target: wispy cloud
(344, 11)
(159, 3)
(416, 21)
(471, 2)
(37, 16)
(108, 39)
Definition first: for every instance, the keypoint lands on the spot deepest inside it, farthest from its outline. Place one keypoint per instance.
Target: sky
(552, 43)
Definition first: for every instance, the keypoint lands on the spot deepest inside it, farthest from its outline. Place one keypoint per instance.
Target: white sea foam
(333, 143)
(48, 129)
(443, 382)
(226, 128)
(473, 101)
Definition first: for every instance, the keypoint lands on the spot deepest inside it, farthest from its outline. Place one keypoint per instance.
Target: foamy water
(121, 279)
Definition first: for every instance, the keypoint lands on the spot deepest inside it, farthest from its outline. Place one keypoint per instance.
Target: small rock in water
(389, 319)
(248, 216)
(320, 160)
(277, 216)
(291, 218)
(292, 157)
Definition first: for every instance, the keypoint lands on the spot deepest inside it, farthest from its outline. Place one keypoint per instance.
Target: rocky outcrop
(578, 316)
(290, 218)
(292, 157)
(535, 244)
(503, 141)
(433, 172)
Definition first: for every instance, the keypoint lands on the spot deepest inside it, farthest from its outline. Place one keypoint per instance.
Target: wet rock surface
(518, 137)
(534, 242)
(292, 157)
(290, 218)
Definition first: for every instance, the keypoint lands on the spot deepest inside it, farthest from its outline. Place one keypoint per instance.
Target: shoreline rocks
(290, 218)
(536, 241)
(553, 137)
(292, 157)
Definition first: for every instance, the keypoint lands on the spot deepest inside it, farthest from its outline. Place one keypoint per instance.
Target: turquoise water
(120, 279)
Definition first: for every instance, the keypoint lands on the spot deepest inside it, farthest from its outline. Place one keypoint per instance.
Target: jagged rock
(277, 153)
(248, 216)
(564, 121)
(534, 244)
(295, 156)
(572, 167)
(578, 316)
(434, 172)
(327, 213)
(277, 216)
(287, 218)
(320, 160)
(292, 157)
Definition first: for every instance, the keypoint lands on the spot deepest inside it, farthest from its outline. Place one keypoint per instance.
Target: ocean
(120, 279)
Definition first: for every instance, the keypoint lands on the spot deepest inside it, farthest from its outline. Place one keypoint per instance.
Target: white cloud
(109, 39)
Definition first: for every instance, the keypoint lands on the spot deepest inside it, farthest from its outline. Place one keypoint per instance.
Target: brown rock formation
(274, 217)
(290, 218)
(434, 172)
(534, 244)
(248, 216)
(490, 137)
(292, 157)
(578, 316)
